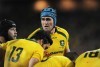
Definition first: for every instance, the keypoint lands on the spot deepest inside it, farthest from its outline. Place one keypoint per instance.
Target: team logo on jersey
(62, 43)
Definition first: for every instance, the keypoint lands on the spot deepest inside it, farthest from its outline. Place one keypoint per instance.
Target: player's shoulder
(34, 32)
(61, 58)
(15, 41)
(38, 29)
(11, 41)
(25, 41)
(84, 54)
(95, 50)
(81, 56)
(30, 42)
(62, 31)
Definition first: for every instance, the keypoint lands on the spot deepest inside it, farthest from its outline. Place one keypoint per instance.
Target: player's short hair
(42, 35)
(49, 12)
(5, 25)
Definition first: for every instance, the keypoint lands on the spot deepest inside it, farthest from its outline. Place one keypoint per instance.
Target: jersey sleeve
(71, 64)
(67, 46)
(33, 33)
(67, 43)
(3, 46)
(38, 53)
(66, 35)
(80, 57)
(65, 61)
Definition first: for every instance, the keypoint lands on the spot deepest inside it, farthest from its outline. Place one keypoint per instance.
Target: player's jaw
(47, 23)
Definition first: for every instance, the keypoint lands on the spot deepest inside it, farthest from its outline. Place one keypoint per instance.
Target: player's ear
(41, 42)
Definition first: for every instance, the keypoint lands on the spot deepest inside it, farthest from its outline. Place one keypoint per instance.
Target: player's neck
(53, 31)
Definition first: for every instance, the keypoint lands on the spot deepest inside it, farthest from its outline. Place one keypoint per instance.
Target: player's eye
(47, 19)
(43, 19)
(12, 29)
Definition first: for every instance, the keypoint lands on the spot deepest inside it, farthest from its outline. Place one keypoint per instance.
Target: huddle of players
(54, 42)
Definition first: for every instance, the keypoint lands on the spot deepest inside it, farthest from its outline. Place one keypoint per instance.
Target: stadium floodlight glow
(39, 5)
(67, 5)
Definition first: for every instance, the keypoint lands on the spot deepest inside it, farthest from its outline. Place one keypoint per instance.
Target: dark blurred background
(79, 17)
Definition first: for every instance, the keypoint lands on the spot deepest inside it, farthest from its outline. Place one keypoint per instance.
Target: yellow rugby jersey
(19, 52)
(54, 61)
(60, 41)
(89, 59)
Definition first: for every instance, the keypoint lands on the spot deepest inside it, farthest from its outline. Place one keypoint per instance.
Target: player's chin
(14, 37)
(46, 29)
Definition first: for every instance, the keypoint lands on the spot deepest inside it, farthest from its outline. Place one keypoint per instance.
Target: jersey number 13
(17, 56)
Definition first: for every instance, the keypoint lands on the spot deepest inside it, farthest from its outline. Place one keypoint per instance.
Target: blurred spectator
(67, 5)
(90, 4)
(40, 5)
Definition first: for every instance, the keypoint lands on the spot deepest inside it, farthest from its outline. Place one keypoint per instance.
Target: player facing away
(59, 35)
(58, 61)
(55, 61)
(89, 59)
(7, 32)
(25, 52)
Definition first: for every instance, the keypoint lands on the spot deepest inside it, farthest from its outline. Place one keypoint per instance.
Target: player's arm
(37, 56)
(3, 46)
(1, 41)
(67, 49)
(33, 61)
(33, 33)
(71, 64)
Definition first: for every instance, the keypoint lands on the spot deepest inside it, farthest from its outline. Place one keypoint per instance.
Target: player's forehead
(12, 28)
(47, 17)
